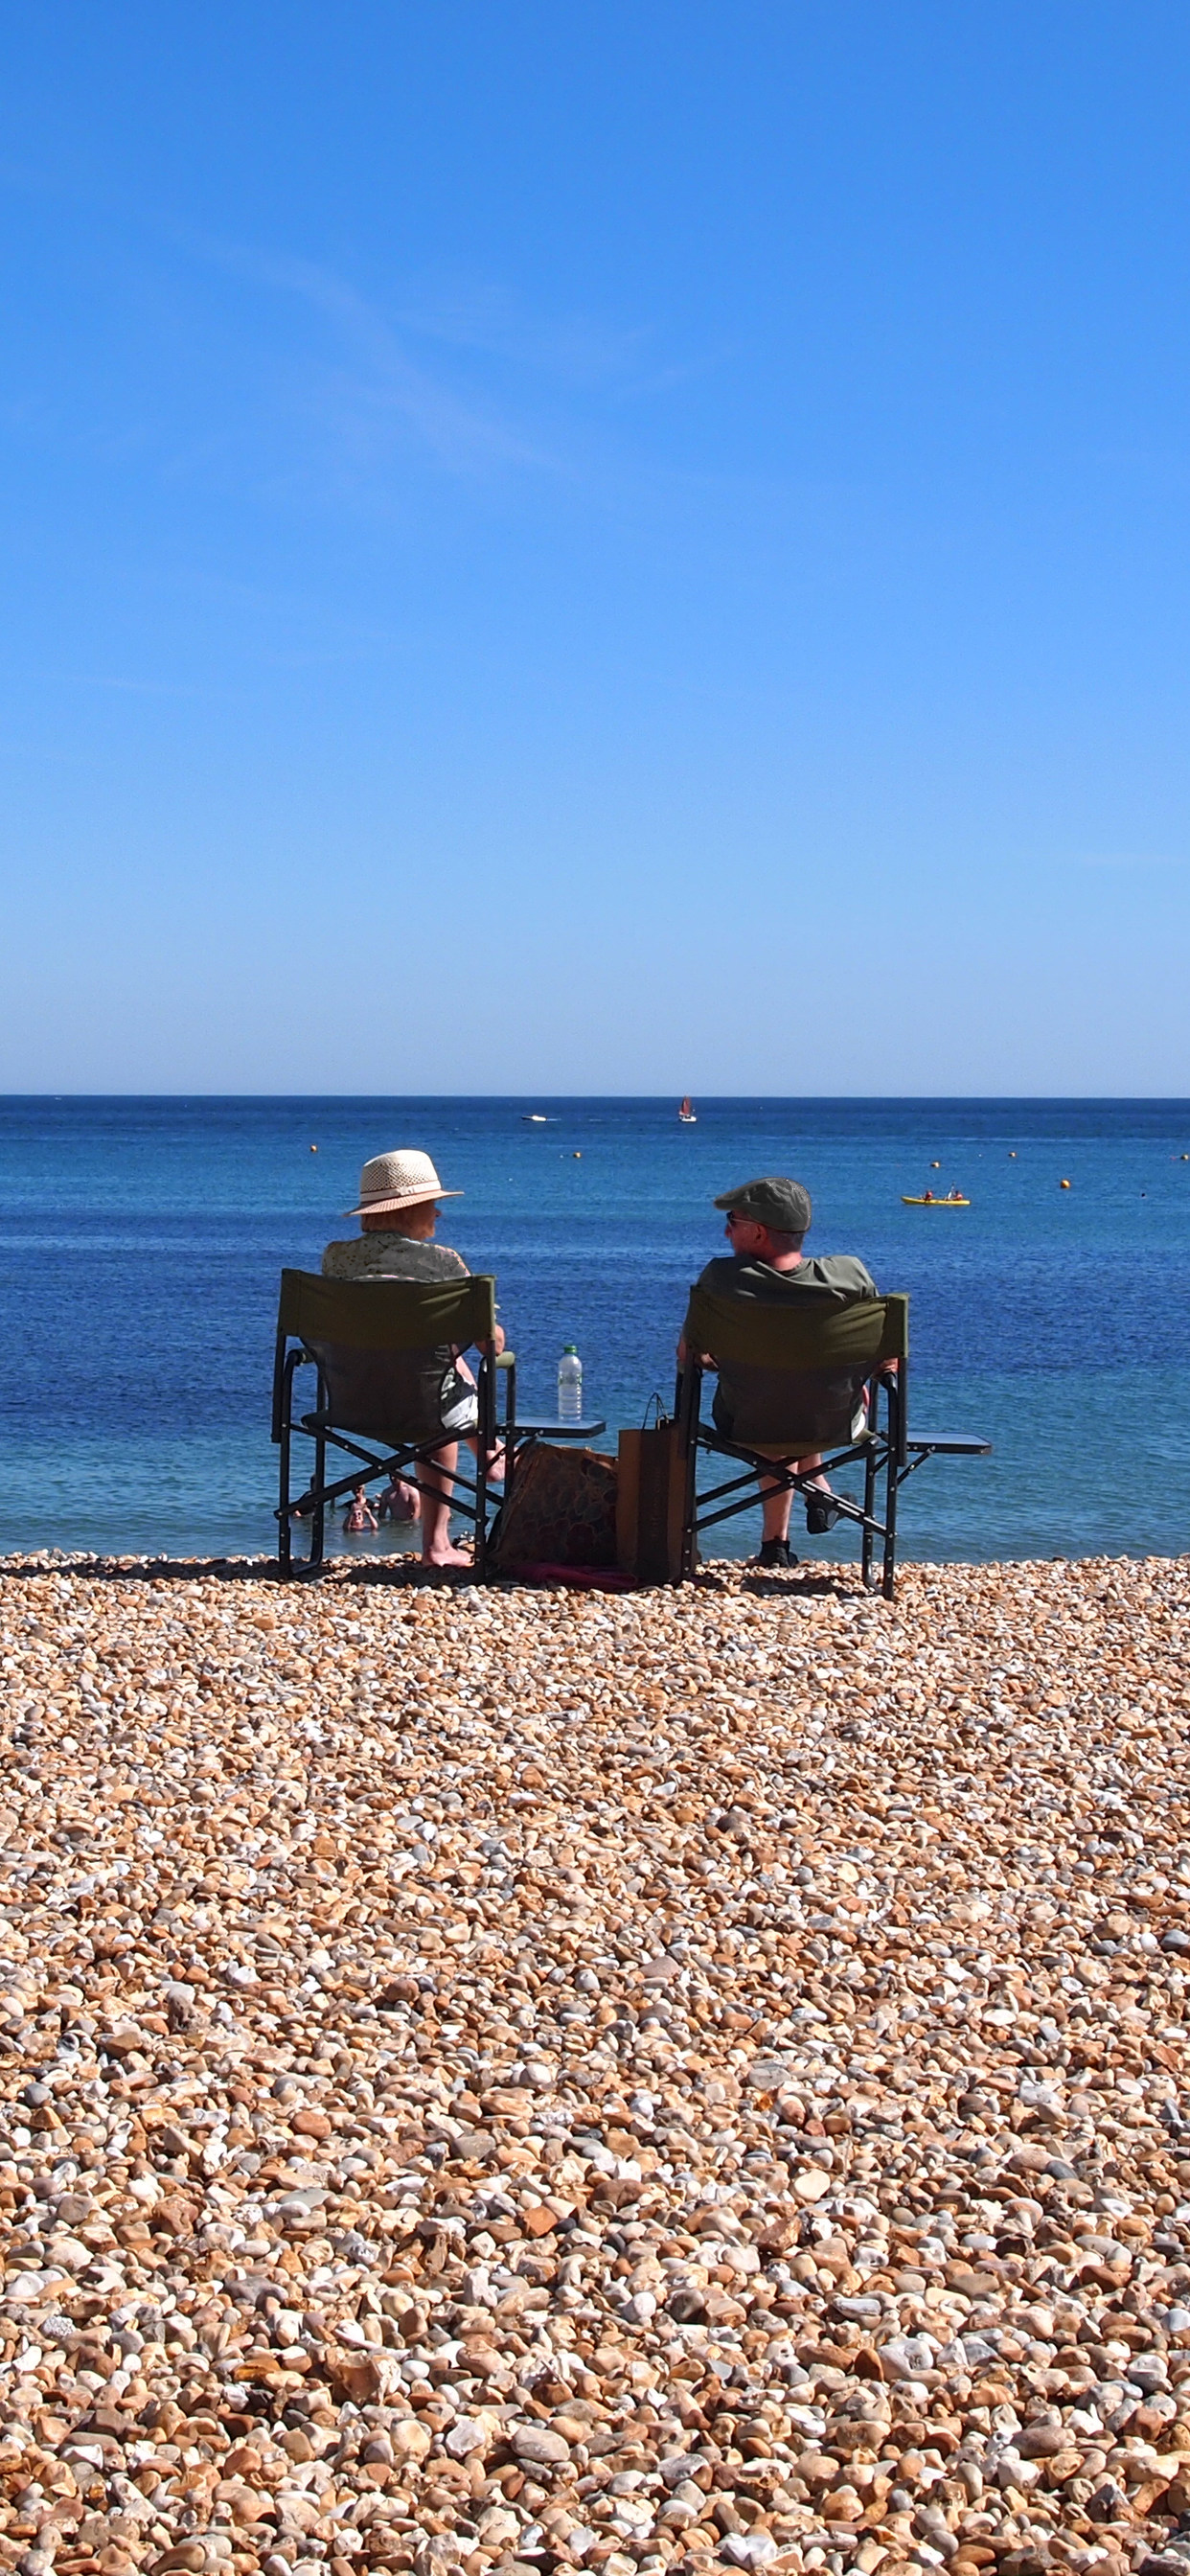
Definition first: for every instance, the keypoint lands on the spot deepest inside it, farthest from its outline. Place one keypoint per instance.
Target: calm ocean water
(140, 1242)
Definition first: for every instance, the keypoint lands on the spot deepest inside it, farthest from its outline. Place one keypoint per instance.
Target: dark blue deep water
(140, 1242)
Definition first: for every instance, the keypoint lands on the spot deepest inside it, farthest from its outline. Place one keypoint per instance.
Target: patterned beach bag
(562, 1511)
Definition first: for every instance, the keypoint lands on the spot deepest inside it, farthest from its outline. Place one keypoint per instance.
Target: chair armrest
(506, 1359)
(951, 1444)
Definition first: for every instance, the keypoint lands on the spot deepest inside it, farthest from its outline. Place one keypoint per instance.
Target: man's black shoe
(821, 1515)
(775, 1551)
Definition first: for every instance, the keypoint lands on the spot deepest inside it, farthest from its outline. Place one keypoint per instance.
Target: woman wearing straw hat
(398, 1211)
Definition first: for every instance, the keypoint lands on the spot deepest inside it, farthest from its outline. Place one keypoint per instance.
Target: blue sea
(141, 1241)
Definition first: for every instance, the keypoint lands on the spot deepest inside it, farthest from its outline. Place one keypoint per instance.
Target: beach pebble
(520, 2079)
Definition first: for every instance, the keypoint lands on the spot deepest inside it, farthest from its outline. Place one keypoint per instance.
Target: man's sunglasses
(734, 1218)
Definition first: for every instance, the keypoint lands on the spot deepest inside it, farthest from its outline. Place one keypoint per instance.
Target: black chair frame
(471, 1502)
(302, 1294)
(887, 1452)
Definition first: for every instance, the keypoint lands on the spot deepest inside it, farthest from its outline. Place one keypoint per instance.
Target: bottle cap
(570, 1351)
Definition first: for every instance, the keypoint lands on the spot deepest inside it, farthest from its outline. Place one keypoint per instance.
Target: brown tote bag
(649, 1501)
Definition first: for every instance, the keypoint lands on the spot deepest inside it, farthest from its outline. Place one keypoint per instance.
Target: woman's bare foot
(444, 1554)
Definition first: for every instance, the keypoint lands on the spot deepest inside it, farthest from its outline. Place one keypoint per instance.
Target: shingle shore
(530, 2080)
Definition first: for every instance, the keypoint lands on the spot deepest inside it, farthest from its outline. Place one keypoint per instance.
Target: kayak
(933, 1202)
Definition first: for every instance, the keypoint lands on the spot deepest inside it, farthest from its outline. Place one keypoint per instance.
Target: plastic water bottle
(570, 1386)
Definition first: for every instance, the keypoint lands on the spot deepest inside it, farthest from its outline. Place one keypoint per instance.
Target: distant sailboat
(686, 1113)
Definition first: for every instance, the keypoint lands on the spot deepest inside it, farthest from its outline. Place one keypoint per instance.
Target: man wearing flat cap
(767, 1223)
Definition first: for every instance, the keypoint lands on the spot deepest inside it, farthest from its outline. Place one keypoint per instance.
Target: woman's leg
(495, 1457)
(437, 1486)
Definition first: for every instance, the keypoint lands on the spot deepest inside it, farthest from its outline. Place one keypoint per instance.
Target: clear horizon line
(709, 1099)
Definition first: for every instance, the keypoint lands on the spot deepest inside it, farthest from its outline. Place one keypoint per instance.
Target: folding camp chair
(382, 1348)
(796, 1381)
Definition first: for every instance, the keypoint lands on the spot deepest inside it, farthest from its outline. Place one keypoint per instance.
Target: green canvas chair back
(386, 1346)
(792, 1375)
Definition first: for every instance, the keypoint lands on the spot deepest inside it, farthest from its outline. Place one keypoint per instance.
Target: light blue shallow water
(140, 1242)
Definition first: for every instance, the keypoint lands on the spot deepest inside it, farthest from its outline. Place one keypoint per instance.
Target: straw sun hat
(398, 1180)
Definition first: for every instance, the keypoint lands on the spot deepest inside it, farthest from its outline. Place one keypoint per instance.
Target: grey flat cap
(773, 1201)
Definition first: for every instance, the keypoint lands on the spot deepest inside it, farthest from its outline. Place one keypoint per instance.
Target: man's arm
(706, 1357)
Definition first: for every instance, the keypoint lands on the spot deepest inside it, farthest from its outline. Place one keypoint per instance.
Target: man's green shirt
(836, 1274)
(751, 1401)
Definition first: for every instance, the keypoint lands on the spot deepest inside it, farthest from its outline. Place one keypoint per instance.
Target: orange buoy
(1063, 1185)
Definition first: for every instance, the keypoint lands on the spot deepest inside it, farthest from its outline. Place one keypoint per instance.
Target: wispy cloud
(576, 352)
(391, 371)
(350, 395)
(49, 676)
(484, 318)
(374, 384)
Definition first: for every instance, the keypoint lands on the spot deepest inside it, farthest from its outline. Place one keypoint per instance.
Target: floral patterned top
(391, 1256)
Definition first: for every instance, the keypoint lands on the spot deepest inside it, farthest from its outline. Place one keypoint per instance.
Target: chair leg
(870, 1471)
(509, 1428)
(689, 1394)
(895, 1399)
(486, 1440)
(318, 1516)
(284, 1524)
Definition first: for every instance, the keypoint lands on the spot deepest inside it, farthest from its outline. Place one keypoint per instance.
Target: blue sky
(604, 548)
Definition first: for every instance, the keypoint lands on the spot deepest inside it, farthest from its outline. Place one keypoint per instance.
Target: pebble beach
(515, 2080)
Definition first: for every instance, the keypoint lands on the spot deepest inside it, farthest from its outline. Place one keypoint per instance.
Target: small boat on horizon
(534, 1118)
(686, 1112)
(952, 1198)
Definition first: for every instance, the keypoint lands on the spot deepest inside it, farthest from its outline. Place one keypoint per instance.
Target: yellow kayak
(930, 1201)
